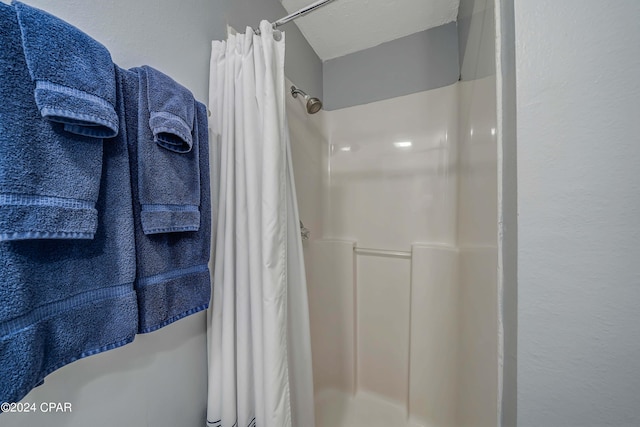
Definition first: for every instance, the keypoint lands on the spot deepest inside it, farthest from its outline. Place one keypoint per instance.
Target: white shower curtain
(259, 345)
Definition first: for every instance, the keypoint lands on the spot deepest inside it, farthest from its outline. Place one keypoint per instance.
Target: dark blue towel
(168, 155)
(172, 278)
(73, 74)
(49, 176)
(62, 300)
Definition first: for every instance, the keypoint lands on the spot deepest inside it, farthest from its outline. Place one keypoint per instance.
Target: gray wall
(507, 207)
(578, 127)
(476, 39)
(160, 379)
(415, 63)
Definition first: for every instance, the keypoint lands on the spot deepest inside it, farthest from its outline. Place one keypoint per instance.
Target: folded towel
(62, 300)
(168, 155)
(172, 277)
(73, 74)
(171, 110)
(49, 178)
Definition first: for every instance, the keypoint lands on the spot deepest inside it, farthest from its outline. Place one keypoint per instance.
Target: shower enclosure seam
(408, 398)
(355, 322)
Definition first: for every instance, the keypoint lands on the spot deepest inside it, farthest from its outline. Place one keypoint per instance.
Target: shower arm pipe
(305, 10)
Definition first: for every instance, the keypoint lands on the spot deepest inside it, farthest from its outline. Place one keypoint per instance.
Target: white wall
(578, 127)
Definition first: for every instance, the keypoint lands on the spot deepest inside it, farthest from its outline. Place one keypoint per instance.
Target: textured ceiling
(347, 26)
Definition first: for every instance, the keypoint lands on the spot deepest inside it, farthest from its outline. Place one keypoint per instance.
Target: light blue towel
(62, 300)
(172, 278)
(168, 155)
(51, 148)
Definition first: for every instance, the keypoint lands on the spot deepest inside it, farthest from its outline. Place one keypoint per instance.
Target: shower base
(336, 408)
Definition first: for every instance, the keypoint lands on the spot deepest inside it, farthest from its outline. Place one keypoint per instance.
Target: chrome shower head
(313, 104)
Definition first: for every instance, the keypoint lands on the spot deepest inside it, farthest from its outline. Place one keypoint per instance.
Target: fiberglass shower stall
(400, 198)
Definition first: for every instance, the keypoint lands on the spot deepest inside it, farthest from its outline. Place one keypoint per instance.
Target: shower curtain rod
(305, 10)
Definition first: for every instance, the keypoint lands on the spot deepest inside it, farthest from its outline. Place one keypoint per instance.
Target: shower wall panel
(391, 186)
(478, 218)
(309, 157)
(383, 313)
(478, 365)
(478, 191)
(392, 179)
(434, 330)
(332, 314)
